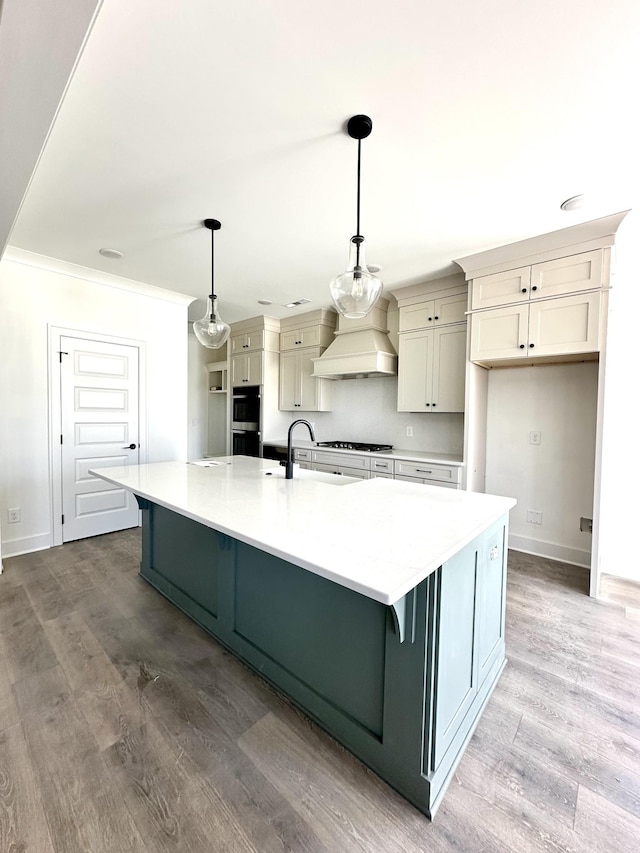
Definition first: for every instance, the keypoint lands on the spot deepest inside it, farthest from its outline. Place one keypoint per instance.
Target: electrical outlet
(535, 436)
(534, 516)
(14, 515)
(409, 432)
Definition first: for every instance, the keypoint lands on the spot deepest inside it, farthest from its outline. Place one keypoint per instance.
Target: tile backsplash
(366, 410)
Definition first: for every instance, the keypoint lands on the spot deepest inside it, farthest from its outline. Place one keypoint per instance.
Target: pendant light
(355, 291)
(211, 330)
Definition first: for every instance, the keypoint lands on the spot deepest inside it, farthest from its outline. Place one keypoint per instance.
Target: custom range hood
(361, 348)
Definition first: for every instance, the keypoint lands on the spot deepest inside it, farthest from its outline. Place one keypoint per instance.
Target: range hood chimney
(361, 348)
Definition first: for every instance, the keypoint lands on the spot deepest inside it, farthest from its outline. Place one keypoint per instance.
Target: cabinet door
(413, 317)
(315, 394)
(254, 368)
(565, 326)
(449, 364)
(490, 607)
(567, 275)
(499, 333)
(246, 369)
(239, 370)
(247, 342)
(501, 288)
(456, 673)
(450, 309)
(289, 381)
(415, 359)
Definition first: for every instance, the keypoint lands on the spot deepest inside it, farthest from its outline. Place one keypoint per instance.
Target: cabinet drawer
(341, 459)
(343, 470)
(425, 470)
(301, 454)
(381, 466)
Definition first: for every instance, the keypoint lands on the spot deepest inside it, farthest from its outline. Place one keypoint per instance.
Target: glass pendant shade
(211, 330)
(355, 291)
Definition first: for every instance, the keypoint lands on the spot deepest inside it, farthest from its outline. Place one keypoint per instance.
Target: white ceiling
(485, 117)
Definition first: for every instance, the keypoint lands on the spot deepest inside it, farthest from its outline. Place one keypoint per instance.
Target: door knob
(130, 447)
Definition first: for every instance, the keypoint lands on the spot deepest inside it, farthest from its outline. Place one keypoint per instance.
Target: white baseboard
(16, 547)
(551, 550)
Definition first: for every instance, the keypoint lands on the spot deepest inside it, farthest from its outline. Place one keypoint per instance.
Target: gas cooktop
(356, 445)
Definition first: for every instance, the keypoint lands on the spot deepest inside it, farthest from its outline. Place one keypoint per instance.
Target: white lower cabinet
(431, 370)
(424, 472)
(549, 327)
(358, 473)
(367, 467)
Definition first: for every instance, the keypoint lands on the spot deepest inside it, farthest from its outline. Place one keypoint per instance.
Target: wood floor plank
(342, 816)
(73, 778)
(23, 825)
(159, 792)
(8, 710)
(26, 648)
(616, 783)
(267, 817)
(143, 733)
(514, 774)
(609, 827)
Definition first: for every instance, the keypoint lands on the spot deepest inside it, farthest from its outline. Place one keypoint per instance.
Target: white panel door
(99, 429)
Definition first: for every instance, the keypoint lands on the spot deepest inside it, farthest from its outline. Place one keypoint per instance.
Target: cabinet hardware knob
(521, 346)
(427, 404)
(535, 287)
(524, 289)
(434, 405)
(436, 317)
(430, 318)
(531, 346)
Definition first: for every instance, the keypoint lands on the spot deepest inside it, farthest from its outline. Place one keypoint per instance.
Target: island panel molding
(401, 684)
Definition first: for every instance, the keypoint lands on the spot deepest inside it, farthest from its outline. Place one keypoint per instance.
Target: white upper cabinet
(299, 390)
(432, 369)
(501, 288)
(247, 342)
(435, 312)
(547, 310)
(432, 335)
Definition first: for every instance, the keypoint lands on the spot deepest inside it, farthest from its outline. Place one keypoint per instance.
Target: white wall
(32, 299)
(620, 507)
(367, 410)
(556, 476)
(197, 396)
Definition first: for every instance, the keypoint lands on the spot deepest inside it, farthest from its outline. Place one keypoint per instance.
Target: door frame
(54, 333)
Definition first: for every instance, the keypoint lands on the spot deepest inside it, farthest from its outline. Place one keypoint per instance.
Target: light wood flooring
(124, 727)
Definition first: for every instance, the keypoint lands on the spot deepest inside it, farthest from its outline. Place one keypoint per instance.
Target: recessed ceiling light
(297, 302)
(265, 302)
(573, 203)
(111, 253)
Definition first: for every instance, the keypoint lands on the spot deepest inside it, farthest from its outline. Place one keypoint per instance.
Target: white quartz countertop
(379, 537)
(409, 455)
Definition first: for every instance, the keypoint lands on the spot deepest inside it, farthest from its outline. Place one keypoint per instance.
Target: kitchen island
(377, 606)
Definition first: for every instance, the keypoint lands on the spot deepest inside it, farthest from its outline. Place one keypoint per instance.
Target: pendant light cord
(213, 296)
(358, 209)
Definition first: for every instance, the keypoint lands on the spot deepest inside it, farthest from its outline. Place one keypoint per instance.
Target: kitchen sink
(316, 476)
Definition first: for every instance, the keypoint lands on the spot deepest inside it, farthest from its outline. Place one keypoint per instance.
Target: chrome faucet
(289, 465)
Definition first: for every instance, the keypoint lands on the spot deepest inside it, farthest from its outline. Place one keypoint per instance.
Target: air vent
(297, 302)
